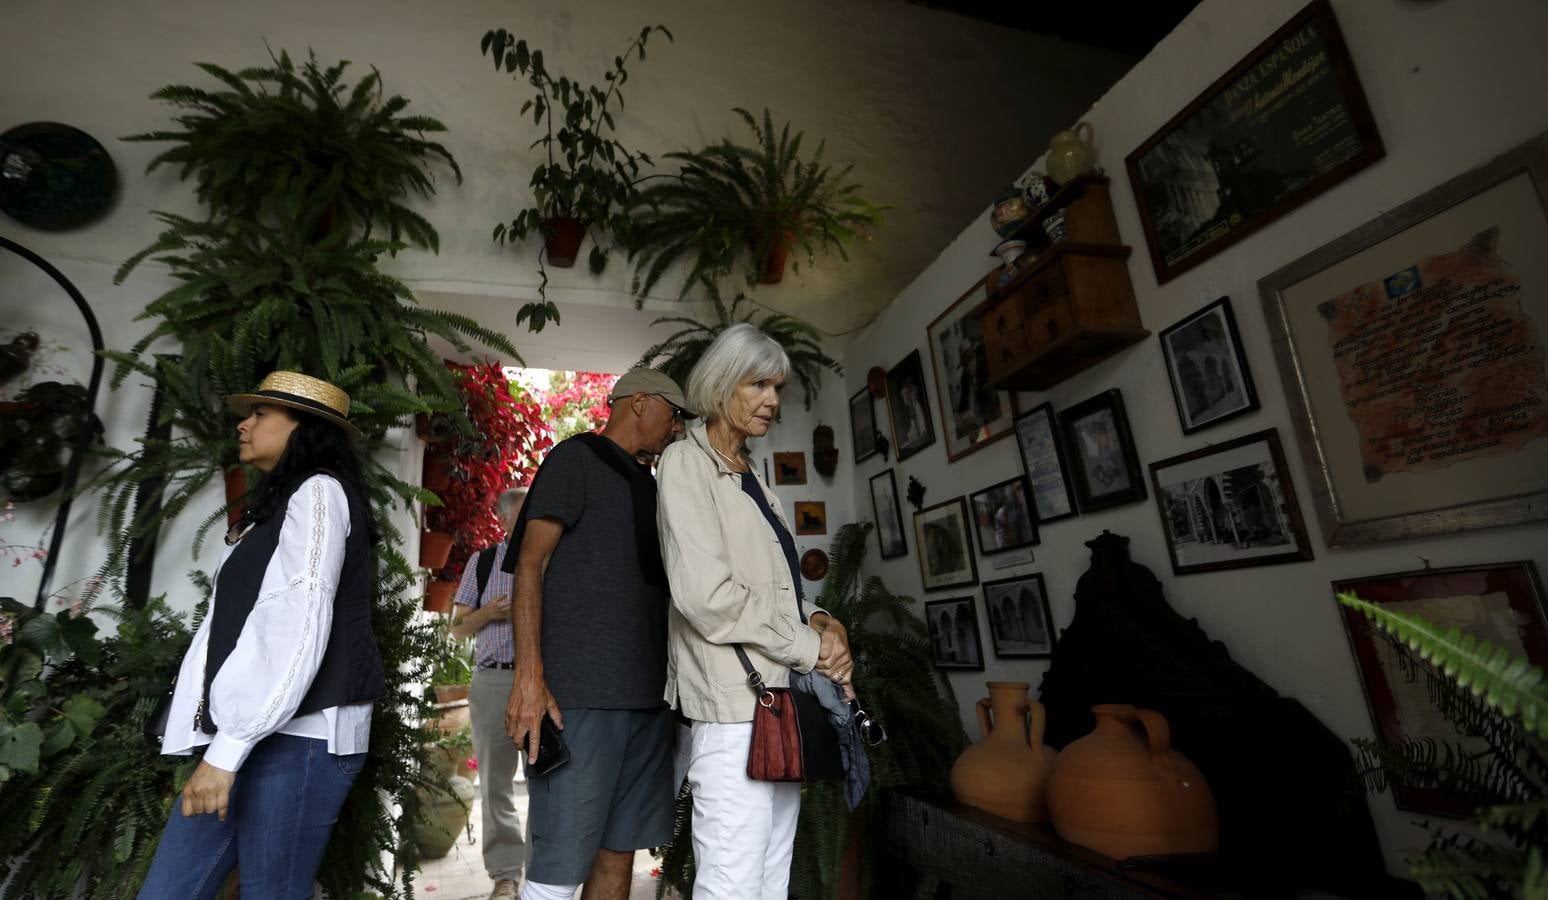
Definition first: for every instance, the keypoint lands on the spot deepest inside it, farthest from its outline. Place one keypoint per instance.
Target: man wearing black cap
(590, 623)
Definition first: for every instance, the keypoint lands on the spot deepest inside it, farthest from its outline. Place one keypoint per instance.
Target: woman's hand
(833, 659)
(208, 791)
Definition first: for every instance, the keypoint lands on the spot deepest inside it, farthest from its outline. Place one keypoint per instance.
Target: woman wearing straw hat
(278, 683)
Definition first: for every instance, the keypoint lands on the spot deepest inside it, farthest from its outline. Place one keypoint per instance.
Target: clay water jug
(1123, 791)
(1069, 154)
(1006, 773)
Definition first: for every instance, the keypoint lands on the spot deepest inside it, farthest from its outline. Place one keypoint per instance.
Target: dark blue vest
(351, 670)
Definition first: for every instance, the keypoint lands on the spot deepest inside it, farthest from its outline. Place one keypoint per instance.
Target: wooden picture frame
(908, 406)
(790, 467)
(1042, 457)
(887, 508)
(811, 517)
(1501, 603)
(973, 414)
(1286, 123)
(954, 638)
(1020, 621)
(1102, 455)
(1412, 354)
(945, 546)
(1004, 516)
(862, 425)
(1230, 506)
(1207, 368)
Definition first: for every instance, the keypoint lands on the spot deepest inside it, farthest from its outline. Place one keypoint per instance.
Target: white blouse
(261, 684)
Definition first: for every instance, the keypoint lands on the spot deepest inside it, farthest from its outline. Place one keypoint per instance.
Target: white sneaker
(504, 889)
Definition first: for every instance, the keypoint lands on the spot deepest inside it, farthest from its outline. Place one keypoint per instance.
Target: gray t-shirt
(604, 627)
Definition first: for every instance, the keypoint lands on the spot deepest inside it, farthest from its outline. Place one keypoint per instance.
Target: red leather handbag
(792, 737)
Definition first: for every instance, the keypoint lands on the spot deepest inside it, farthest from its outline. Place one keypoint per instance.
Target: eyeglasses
(677, 411)
(871, 731)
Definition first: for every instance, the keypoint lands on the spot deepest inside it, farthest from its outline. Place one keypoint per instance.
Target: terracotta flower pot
(438, 596)
(434, 548)
(446, 814)
(436, 474)
(1007, 772)
(1123, 791)
(562, 240)
(774, 264)
(445, 693)
(236, 487)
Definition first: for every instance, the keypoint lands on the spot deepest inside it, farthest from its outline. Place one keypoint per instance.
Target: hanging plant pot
(236, 488)
(774, 263)
(436, 474)
(434, 548)
(561, 241)
(438, 596)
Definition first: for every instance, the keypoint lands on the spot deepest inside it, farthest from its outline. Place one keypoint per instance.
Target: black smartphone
(552, 753)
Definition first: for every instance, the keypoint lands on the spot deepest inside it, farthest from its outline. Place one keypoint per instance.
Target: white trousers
(743, 830)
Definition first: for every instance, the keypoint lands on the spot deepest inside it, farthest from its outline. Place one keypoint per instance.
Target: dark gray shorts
(615, 792)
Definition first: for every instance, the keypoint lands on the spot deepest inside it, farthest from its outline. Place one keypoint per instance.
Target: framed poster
(1207, 368)
(972, 413)
(1042, 456)
(889, 515)
(1285, 124)
(1230, 506)
(1020, 624)
(954, 641)
(1412, 352)
(945, 549)
(811, 517)
(1003, 516)
(862, 425)
(908, 406)
(1502, 604)
(1102, 456)
(790, 467)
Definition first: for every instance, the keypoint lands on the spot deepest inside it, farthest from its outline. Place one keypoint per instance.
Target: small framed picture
(909, 407)
(1207, 368)
(790, 468)
(1229, 506)
(1042, 455)
(954, 642)
(889, 515)
(1020, 624)
(1103, 460)
(973, 413)
(1501, 604)
(862, 425)
(811, 517)
(1003, 516)
(945, 549)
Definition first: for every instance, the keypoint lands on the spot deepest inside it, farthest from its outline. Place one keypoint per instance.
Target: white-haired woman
(731, 563)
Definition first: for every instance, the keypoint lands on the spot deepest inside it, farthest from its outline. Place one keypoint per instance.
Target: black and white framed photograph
(1042, 455)
(1020, 624)
(1102, 455)
(954, 642)
(862, 425)
(889, 515)
(973, 413)
(1003, 516)
(1207, 368)
(909, 406)
(1230, 506)
(944, 546)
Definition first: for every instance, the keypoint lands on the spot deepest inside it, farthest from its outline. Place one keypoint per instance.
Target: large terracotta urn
(1123, 791)
(1007, 772)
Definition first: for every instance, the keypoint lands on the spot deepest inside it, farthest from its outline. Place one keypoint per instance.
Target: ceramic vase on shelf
(1008, 252)
(1007, 772)
(1070, 154)
(1011, 208)
(1123, 791)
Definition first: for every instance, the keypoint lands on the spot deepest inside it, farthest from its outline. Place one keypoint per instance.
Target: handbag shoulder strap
(754, 680)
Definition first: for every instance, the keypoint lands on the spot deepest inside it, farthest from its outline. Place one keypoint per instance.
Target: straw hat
(302, 392)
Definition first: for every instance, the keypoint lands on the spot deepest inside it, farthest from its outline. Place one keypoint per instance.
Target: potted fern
(586, 180)
(752, 204)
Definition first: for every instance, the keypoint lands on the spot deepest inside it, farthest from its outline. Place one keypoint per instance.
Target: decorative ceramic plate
(814, 564)
(54, 177)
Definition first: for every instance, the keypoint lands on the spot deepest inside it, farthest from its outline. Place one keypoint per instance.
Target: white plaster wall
(1451, 84)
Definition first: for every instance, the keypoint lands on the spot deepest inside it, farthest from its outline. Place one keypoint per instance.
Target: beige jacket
(730, 584)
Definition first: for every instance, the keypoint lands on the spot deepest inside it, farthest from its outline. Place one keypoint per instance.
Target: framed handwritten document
(1413, 354)
(1285, 124)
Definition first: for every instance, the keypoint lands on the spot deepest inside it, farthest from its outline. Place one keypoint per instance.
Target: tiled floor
(459, 875)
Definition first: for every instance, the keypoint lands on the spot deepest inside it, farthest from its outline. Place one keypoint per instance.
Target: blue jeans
(283, 804)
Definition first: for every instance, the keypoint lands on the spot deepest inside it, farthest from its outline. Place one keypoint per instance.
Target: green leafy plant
(677, 354)
(587, 175)
(281, 131)
(731, 202)
(1500, 703)
(36, 435)
(899, 686)
(452, 662)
